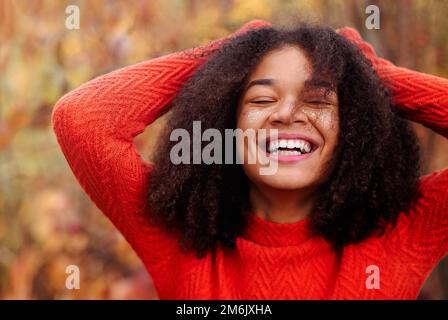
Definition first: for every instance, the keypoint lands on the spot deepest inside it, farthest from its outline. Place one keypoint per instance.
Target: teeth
(292, 144)
(287, 153)
(273, 146)
(283, 143)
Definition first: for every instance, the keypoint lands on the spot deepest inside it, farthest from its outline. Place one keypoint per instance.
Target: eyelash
(262, 101)
(316, 102)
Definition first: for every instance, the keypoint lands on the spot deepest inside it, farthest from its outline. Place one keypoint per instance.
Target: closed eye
(319, 102)
(262, 101)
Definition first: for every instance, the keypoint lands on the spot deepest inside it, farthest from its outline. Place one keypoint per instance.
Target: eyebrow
(312, 83)
(315, 83)
(261, 82)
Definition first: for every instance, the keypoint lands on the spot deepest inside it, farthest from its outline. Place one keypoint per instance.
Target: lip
(286, 135)
(291, 158)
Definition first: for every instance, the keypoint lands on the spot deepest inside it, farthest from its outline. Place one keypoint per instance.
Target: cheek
(325, 120)
(327, 123)
(250, 121)
(252, 118)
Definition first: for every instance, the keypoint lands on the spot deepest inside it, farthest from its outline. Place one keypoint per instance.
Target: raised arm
(423, 98)
(95, 125)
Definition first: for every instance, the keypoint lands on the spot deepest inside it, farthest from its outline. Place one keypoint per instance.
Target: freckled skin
(291, 108)
(327, 118)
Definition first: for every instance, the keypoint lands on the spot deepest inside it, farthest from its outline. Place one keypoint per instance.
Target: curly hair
(372, 177)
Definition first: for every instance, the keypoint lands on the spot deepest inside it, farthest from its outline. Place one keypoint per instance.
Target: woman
(345, 215)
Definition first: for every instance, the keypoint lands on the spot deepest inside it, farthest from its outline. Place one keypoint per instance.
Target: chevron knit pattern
(95, 125)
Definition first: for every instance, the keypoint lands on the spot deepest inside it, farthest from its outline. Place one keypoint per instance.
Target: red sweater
(95, 125)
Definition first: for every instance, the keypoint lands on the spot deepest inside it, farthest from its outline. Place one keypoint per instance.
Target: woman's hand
(205, 50)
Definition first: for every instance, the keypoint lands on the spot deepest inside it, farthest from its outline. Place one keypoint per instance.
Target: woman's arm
(423, 98)
(95, 125)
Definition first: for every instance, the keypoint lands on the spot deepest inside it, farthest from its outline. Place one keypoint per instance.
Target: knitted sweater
(95, 125)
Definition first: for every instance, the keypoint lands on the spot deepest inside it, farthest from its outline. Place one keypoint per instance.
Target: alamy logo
(188, 150)
(373, 20)
(72, 281)
(373, 280)
(72, 20)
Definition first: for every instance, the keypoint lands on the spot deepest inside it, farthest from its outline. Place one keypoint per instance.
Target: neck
(281, 206)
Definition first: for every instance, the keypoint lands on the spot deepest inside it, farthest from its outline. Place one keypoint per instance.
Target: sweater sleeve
(95, 125)
(422, 98)
(422, 235)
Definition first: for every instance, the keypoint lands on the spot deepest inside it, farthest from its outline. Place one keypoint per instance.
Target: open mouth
(290, 148)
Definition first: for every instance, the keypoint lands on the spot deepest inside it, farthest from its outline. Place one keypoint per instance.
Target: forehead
(288, 64)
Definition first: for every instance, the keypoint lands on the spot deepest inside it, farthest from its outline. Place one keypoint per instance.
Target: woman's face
(282, 94)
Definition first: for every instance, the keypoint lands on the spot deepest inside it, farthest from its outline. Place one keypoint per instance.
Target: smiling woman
(314, 84)
(285, 96)
(347, 196)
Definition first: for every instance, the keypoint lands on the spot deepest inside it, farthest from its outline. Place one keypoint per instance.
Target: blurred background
(46, 220)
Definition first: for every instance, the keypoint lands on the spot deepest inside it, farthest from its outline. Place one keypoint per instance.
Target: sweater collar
(274, 234)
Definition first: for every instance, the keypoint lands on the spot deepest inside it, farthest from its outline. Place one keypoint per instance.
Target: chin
(287, 182)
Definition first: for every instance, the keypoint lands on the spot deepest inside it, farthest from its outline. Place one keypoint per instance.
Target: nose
(288, 113)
